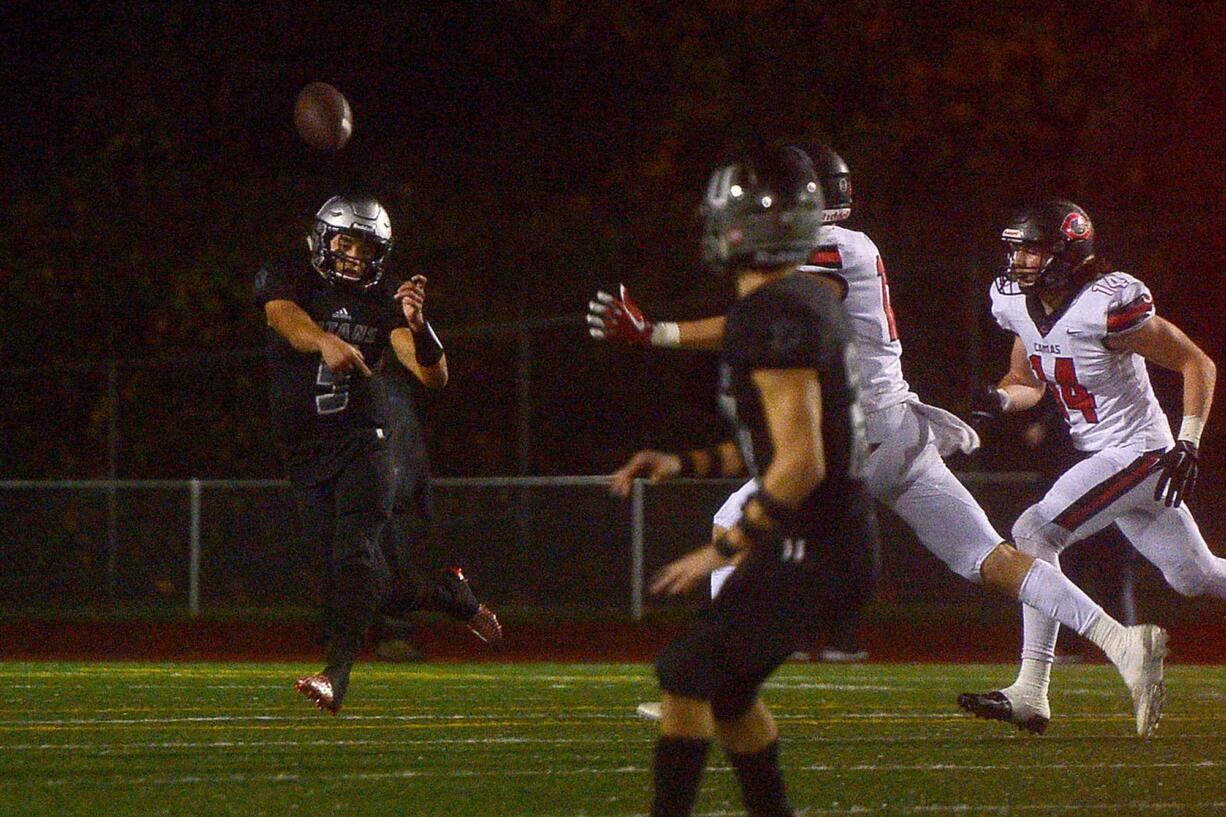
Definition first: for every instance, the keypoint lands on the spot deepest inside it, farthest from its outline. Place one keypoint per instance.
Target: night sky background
(532, 152)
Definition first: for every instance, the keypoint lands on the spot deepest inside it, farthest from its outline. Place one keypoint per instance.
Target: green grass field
(549, 739)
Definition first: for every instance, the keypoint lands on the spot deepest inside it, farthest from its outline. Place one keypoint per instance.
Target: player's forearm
(1019, 396)
(707, 333)
(721, 460)
(291, 322)
(1199, 380)
(421, 352)
(433, 376)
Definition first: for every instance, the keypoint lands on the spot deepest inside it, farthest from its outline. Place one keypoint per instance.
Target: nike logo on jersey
(1073, 331)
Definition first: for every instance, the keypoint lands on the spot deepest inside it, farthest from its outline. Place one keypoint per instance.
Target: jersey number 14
(1071, 395)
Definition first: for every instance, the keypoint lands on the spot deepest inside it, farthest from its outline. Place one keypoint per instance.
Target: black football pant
(344, 515)
(771, 600)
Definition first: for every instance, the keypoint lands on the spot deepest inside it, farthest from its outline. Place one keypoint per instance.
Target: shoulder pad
(1129, 303)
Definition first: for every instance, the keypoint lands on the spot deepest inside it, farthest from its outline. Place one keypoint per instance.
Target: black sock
(678, 770)
(762, 782)
(338, 674)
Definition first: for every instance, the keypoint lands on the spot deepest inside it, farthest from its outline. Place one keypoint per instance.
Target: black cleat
(994, 706)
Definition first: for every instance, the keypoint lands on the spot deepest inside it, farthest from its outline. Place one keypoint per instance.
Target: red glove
(618, 319)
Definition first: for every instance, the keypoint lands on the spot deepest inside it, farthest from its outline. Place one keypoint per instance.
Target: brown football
(323, 117)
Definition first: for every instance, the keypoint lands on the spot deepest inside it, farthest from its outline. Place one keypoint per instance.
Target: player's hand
(341, 357)
(655, 465)
(412, 297)
(1178, 477)
(618, 319)
(683, 575)
(987, 405)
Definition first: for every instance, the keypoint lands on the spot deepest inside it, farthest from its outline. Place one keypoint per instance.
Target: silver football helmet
(361, 218)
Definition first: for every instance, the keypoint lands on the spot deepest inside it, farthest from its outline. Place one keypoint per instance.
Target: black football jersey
(306, 397)
(797, 322)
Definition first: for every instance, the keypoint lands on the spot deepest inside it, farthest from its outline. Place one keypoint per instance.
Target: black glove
(1178, 474)
(987, 404)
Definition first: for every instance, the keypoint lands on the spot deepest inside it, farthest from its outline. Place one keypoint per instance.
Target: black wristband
(426, 346)
(757, 536)
(724, 546)
(774, 513)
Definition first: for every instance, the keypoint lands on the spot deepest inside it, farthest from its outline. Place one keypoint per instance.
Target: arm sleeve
(1129, 306)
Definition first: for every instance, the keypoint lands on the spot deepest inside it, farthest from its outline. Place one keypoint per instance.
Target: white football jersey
(853, 259)
(1104, 395)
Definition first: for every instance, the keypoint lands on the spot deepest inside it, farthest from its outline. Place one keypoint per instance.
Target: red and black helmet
(1056, 227)
(835, 179)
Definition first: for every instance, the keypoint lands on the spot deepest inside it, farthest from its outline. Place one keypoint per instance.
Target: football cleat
(995, 706)
(462, 604)
(485, 625)
(318, 688)
(649, 710)
(1142, 671)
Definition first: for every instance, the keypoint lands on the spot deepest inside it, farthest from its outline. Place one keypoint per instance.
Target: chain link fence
(547, 543)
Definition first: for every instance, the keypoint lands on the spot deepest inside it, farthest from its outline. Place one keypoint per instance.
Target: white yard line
(292, 777)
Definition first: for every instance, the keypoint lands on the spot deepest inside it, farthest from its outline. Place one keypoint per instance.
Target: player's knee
(1005, 567)
(1191, 579)
(1035, 536)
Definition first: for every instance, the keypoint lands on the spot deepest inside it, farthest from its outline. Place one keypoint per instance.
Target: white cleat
(649, 710)
(1142, 671)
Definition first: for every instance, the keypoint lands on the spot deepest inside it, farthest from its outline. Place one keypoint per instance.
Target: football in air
(322, 117)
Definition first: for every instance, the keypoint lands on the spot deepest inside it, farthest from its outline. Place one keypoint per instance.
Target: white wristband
(1005, 400)
(666, 333)
(1190, 429)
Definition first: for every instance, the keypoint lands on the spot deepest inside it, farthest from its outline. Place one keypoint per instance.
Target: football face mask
(350, 240)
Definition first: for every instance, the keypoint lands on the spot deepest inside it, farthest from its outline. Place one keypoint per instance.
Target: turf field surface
(555, 739)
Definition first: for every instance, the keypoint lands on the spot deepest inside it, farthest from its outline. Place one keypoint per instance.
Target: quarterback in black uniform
(331, 317)
(807, 543)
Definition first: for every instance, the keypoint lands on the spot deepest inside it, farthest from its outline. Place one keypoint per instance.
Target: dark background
(531, 152)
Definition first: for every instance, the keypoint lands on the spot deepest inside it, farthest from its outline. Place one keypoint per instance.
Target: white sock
(1048, 594)
(1032, 680)
(1110, 635)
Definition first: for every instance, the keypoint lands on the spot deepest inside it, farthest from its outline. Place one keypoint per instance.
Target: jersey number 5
(1071, 395)
(333, 390)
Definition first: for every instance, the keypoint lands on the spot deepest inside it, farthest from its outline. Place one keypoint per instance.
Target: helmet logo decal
(1076, 227)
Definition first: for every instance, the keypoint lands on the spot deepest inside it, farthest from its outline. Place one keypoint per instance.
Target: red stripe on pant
(1106, 492)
